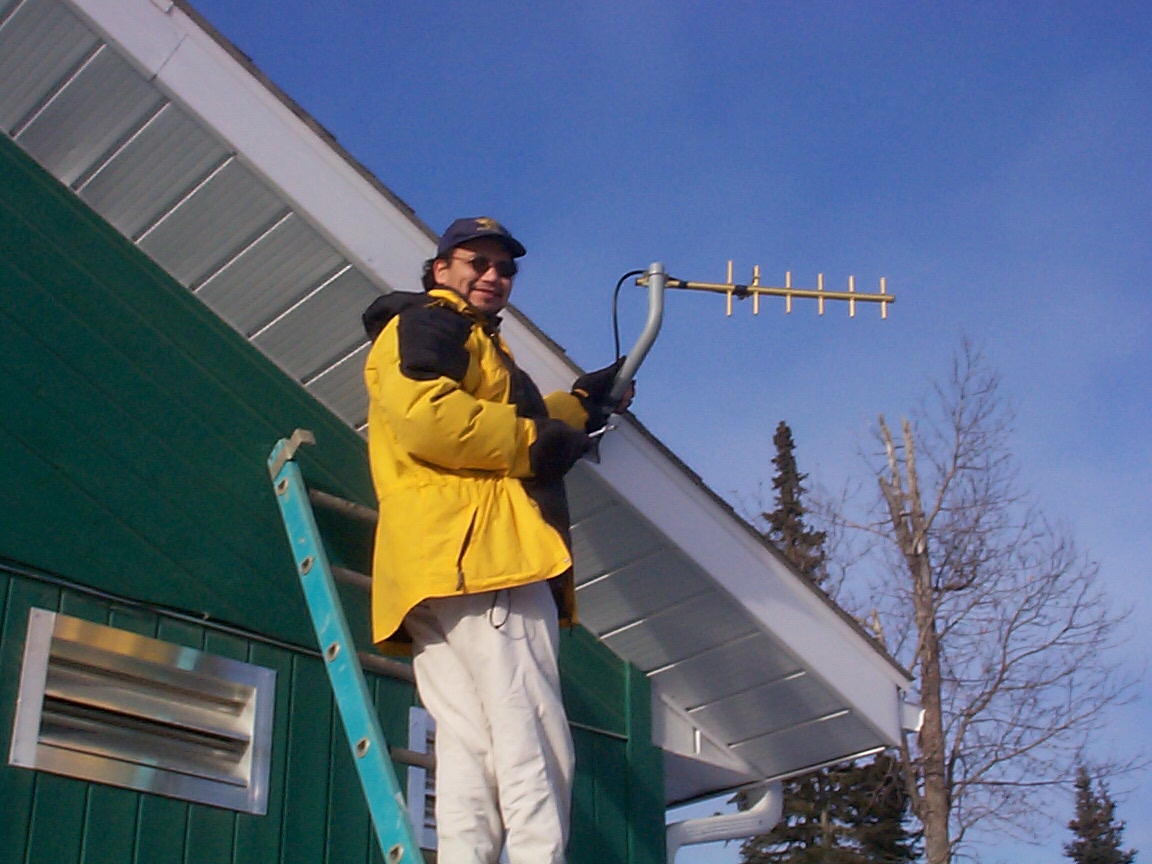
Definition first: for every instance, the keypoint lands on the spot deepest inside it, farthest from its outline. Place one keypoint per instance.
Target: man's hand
(556, 449)
(593, 389)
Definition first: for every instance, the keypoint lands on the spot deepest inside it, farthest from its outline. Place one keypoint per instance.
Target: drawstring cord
(492, 609)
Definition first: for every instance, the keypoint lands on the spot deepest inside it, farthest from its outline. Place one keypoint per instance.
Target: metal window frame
(421, 790)
(102, 704)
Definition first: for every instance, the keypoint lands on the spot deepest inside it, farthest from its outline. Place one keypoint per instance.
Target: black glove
(556, 449)
(592, 389)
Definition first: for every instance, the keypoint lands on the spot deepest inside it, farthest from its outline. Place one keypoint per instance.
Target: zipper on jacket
(463, 549)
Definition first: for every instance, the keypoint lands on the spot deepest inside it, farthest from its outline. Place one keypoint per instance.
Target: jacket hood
(387, 307)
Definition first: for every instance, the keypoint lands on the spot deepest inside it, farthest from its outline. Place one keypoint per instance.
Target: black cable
(615, 298)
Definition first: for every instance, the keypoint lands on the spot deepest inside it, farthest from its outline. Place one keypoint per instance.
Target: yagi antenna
(657, 281)
(754, 290)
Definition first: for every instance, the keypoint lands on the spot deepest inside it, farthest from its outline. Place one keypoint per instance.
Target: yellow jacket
(449, 455)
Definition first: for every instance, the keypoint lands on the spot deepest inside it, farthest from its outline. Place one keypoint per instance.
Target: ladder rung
(413, 757)
(343, 506)
(351, 577)
(384, 666)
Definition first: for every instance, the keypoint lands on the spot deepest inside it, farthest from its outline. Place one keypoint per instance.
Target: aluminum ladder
(370, 752)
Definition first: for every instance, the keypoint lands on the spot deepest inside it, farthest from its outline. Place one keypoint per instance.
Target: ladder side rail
(370, 752)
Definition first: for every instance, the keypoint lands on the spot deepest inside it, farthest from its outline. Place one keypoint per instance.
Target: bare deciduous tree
(995, 611)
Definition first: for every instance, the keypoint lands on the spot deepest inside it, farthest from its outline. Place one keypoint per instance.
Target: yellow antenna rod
(787, 291)
(729, 290)
(756, 284)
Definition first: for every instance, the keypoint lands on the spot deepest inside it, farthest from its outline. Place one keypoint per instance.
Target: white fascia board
(787, 608)
(314, 179)
(139, 28)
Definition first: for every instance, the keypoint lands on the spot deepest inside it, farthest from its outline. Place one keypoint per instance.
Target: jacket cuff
(566, 407)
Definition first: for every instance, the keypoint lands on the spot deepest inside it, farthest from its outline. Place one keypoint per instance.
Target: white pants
(486, 669)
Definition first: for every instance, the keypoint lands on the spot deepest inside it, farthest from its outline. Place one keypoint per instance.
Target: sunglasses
(505, 268)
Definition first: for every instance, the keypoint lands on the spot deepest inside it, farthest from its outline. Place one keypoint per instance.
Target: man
(472, 565)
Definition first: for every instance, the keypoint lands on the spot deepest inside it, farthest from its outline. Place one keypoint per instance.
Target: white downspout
(758, 819)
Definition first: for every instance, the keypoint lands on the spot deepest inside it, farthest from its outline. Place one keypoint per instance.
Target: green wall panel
(645, 798)
(315, 813)
(259, 838)
(109, 825)
(17, 788)
(349, 829)
(161, 827)
(145, 423)
(56, 825)
(309, 751)
(618, 794)
(593, 682)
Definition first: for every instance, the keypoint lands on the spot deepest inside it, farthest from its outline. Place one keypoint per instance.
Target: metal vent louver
(110, 706)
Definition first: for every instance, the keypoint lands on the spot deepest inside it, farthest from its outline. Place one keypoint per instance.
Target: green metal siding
(315, 813)
(618, 795)
(135, 435)
(143, 423)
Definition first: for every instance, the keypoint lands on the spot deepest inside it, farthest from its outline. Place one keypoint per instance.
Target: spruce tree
(854, 814)
(786, 529)
(1097, 834)
(876, 809)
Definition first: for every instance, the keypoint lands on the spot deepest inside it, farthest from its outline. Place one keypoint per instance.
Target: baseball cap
(474, 227)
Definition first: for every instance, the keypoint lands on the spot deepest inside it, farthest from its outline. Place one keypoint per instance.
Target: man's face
(487, 291)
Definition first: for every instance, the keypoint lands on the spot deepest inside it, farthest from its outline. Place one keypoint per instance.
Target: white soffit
(170, 134)
(189, 63)
(234, 191)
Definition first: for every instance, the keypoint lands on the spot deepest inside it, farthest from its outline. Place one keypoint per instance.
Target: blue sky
(992, 160)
